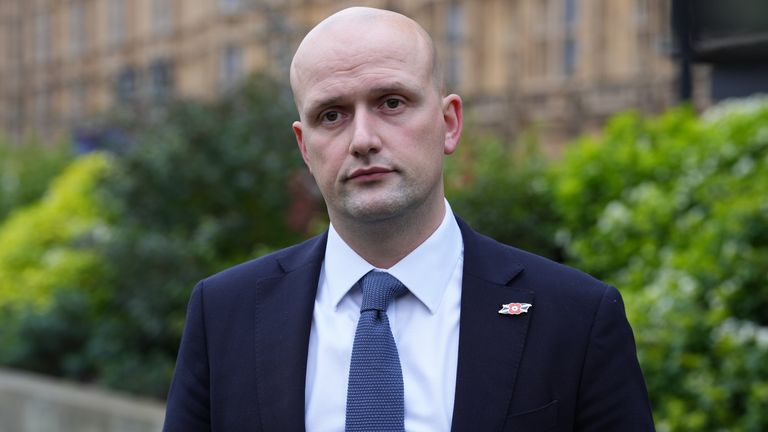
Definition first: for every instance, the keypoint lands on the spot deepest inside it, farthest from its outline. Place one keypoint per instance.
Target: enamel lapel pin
(514, 308)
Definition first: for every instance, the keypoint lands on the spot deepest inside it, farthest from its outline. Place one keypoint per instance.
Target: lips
(369, 174)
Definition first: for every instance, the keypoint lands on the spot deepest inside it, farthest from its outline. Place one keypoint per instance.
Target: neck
(384, 243)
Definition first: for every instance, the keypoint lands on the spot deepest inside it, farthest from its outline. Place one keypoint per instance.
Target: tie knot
(379, 288)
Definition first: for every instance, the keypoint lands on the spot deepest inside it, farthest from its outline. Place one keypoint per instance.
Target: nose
(365, 138)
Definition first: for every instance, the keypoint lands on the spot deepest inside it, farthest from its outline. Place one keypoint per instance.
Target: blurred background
(146, 144)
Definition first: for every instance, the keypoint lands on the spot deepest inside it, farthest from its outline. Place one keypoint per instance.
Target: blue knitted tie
(375, 389)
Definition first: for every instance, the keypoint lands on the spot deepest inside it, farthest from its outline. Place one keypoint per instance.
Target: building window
(641, 12)
(78, 30)
(43, 37)
(126, 86)
(279, 37)
(643, 36)
(162, 17)
(569, 57)
(230, 66)
(161, 80)
(231, 6)
(570, 48)
(15, 40)
(116, 21)
(455, 38)
(570, 13)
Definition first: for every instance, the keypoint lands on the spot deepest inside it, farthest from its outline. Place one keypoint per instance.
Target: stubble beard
(368, 208)
(394, 210)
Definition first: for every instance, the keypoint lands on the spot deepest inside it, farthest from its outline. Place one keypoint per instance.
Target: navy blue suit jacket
(569, 364)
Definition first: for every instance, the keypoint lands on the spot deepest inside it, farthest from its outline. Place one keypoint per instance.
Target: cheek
(428, 140)
(324, 161)
(316, 148)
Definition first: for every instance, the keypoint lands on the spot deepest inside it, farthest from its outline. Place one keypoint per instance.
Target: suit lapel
(490, 344)
(283, 321)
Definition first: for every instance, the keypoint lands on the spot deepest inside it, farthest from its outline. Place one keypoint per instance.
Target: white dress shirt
(425, 325)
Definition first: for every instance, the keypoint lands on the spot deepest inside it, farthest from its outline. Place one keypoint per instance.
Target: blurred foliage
(40, 243)
(503, 191)
(26, 169)
(199, 187)
(192, 189)
(674, 211)
(46, 251)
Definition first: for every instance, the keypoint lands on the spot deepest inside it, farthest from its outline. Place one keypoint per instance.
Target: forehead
(353, 59)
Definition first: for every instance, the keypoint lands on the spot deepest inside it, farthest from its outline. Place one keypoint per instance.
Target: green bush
(196, 188)
(503, 191)
(26, 169)
(674, 212)
(47, 252)
(38, 243)
(190, 190)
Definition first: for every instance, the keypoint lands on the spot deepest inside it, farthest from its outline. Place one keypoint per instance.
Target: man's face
(373, 127)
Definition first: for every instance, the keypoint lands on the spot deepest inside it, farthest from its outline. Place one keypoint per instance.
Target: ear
(454, 122)
(299, 133)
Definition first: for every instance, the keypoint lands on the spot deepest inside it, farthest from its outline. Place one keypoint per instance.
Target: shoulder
(275, 264)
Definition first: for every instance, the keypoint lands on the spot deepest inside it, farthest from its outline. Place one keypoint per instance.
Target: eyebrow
(396, 87)
(315, 106)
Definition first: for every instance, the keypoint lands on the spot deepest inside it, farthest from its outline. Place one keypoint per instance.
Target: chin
(372, 210)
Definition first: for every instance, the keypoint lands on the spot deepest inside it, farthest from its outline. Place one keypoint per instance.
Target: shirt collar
(426, 271)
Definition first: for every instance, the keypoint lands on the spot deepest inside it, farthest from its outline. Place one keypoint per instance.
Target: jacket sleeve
(188, 406)
(612, 393)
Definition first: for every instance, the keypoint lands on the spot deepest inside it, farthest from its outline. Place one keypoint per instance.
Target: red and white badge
(514, 308)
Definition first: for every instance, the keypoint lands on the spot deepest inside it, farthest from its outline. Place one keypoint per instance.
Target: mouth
(369, 174)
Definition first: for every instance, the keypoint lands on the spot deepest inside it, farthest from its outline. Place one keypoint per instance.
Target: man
(400, 317)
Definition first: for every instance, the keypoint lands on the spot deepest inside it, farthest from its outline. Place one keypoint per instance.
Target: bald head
(344, 33)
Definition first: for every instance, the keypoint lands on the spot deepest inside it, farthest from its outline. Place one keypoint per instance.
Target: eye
(393, 103)
(330, 116)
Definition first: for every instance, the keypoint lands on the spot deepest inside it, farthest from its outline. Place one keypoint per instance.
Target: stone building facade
(559, 66)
